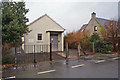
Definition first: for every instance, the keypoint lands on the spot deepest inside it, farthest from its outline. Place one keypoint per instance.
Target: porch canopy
(54, 31)
(56, 38)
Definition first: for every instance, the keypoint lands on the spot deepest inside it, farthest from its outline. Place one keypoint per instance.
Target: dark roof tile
(102, 21)
(84, 26)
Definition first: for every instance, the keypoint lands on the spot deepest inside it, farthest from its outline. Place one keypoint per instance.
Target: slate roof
(83, 27)
(102, 21)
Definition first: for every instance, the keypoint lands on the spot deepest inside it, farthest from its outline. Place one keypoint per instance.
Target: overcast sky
(72, 15)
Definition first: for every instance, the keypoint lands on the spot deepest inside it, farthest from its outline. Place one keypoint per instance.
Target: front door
(54, 41)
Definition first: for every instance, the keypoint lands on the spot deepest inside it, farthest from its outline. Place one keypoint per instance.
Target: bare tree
(112, 34)
(119, 34)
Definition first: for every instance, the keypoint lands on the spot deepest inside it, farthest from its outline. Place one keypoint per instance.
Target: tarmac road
(66, 69)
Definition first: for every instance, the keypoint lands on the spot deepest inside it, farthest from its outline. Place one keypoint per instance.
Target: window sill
(40, 41)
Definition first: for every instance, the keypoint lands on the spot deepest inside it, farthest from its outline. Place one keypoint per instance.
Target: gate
(74, 51)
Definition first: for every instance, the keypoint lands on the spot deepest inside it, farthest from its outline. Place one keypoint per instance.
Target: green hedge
(99, 44)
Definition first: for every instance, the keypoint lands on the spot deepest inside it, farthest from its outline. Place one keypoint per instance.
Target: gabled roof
(42, 17)
(102, 21)
(37, 19)
(83, 27)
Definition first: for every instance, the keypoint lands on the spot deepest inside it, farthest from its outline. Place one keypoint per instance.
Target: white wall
(41, 26)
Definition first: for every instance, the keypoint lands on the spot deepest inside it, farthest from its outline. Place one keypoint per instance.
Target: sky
(73, 14)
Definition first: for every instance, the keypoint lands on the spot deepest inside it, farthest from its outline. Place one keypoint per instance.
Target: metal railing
(35, 53)
(36, 48)
(32, 53)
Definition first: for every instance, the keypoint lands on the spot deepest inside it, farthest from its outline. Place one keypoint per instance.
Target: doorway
(54, 41)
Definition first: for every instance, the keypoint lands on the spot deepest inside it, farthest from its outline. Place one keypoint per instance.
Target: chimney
(93, 15)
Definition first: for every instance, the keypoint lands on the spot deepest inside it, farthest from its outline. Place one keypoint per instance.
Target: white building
(43, 31)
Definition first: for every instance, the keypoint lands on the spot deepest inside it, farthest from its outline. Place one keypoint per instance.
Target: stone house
(94, 24)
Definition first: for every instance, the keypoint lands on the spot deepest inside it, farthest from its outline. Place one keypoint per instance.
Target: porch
(56, 39)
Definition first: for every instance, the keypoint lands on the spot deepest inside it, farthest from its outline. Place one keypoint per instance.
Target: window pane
(39, 36)
(95, 28)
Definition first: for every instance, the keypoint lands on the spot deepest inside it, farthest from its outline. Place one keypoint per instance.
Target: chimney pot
(93, 15)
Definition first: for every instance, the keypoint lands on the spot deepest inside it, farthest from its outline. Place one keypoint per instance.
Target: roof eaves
(48, 17)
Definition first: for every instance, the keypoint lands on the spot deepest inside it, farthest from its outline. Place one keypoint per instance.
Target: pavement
(106, 66)
(64, 55)
(73, 53)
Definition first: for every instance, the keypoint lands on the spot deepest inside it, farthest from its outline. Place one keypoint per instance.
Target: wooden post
(79, 49)
(66, 50)
(93, 48)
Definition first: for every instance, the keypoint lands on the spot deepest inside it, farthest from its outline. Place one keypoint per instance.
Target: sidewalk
(64, 55)
(74, 54)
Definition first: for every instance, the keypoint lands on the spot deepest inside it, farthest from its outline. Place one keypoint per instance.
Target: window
(39, 36)
(95, 28)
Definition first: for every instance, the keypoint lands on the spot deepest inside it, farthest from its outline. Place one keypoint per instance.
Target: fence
(76, 52)
(34, 48)
(32, 53)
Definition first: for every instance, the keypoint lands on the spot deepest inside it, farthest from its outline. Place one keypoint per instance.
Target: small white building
(43, 31)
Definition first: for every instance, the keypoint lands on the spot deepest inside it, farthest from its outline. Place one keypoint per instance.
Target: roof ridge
(48, 17)
(102, 18)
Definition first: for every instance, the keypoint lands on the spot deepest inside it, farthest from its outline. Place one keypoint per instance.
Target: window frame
(95, 28)
(39, 36)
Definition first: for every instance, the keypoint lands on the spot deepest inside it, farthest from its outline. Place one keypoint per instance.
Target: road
(71, 68)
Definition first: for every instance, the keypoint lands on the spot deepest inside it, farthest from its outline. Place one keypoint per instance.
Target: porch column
(48, 33)
(62, 39)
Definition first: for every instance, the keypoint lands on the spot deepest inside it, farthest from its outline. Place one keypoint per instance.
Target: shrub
(7, 58)
(85, 43)
(101, 46)
(94, 37)
(73, 45)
